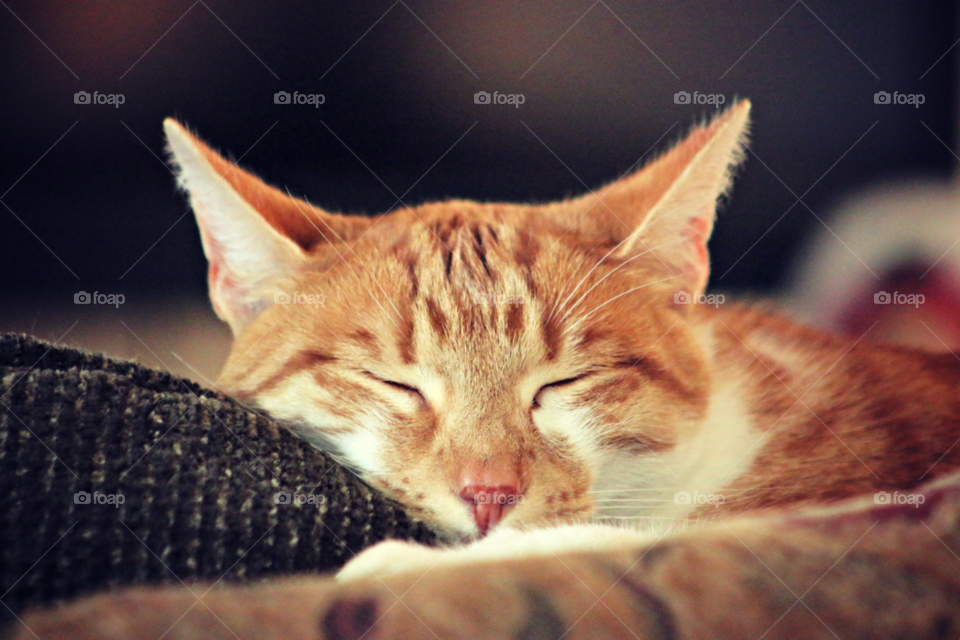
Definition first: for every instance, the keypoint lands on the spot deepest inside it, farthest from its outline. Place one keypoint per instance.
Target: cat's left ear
(256, 238)
(669, 206)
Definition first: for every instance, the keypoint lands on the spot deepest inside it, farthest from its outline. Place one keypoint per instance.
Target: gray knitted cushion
(115, 474)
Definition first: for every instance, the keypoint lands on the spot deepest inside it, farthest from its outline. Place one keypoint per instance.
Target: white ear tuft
(249, 259)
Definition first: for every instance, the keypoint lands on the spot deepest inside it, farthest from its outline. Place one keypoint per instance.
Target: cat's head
(479, 362)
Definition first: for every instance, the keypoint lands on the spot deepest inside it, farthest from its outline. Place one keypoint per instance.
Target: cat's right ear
(668, 207)
(255, 237)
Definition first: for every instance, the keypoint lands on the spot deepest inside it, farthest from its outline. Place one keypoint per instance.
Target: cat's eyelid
(404, 387)
(561, 383)
(397, 385)
(566, 381)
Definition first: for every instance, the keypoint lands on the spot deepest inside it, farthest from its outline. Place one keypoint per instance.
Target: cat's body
(541, 365)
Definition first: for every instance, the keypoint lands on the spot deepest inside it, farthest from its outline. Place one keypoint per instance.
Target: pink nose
(491, 495)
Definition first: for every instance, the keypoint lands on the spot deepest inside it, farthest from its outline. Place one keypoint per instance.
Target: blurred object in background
(886, 267)
(87, 203)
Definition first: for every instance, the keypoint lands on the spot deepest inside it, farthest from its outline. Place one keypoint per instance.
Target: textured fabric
(115, 474)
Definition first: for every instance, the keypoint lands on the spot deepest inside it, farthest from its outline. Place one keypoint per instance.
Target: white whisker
(556, 303)
(630, 503)
(643, 286)
(599, 262)
(622, 264)
(631, 490)
(600, 518)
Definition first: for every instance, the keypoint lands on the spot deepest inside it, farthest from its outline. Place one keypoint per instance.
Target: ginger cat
(523, 366)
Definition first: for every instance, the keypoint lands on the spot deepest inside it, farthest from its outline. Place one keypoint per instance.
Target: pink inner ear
(698, 267)
(227, 295)
(223, 289)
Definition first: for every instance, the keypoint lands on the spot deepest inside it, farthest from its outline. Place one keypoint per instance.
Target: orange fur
(544, 343)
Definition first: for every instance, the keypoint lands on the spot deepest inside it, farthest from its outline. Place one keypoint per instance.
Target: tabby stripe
(661, 624)
(299, 362)
(657, 373)
(543, 621)
(437, 320)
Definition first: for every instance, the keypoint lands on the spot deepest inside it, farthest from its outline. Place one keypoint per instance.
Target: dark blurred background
(87, 204)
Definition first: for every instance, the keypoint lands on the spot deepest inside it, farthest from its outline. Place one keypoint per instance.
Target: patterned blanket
(114, 474)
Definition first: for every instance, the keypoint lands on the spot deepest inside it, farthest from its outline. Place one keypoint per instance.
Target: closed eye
(556, 385)
(413, 391)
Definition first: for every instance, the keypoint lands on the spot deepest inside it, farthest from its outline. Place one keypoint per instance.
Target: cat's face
(446, 355)
(482, 363)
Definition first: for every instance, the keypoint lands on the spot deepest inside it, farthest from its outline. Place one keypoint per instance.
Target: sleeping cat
(502, 367)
